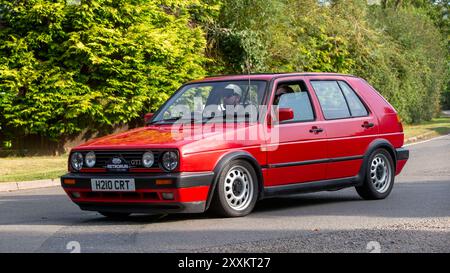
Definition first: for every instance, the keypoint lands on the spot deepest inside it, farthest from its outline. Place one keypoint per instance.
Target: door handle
(315, 130)
(367, 125)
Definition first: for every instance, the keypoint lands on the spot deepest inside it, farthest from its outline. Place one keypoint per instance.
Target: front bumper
(189, 190)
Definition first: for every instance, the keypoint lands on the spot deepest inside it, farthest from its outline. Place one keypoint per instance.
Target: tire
(115, 215)
(236, 191)
(379, 178)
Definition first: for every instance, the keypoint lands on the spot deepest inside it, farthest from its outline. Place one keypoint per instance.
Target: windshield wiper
(165, 120)
(169, 120)
(226, 116)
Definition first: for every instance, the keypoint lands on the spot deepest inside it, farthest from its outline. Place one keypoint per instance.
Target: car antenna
(247, 65)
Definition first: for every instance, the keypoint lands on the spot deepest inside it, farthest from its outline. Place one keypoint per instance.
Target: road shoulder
(26, 185)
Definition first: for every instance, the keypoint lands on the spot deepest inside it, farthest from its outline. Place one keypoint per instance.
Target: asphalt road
(414, 218)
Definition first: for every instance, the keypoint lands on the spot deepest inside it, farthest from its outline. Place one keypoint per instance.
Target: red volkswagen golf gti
(223, 143)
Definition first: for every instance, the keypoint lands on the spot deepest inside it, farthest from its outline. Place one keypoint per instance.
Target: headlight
(170, 161)
(148, 159)
(90, 159)
(76, 161)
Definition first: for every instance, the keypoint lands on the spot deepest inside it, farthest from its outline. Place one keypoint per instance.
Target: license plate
(112, 184)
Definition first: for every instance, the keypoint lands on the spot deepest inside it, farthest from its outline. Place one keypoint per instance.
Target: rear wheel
(379, 178)
(115, 215)
(236, 191)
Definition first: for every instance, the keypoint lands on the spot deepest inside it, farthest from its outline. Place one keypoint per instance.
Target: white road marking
(420, 142)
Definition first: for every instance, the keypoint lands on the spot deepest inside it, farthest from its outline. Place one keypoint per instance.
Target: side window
(357, 108)
(295, 95)
(332, 101)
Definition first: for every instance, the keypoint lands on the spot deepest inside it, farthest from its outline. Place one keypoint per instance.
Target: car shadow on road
(412, 200)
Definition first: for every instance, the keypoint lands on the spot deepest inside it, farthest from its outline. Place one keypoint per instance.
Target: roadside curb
(26, 185)
(417, 138)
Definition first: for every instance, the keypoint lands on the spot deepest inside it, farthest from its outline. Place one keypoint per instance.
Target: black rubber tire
(219, 205)
(367, 189)
(115, 215)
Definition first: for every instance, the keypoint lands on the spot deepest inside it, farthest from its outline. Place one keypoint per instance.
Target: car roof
(266, 76)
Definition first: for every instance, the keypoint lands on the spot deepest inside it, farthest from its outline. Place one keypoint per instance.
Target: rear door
(297, 155)
(349, 123)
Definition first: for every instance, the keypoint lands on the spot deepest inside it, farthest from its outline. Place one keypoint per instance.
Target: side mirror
(148, 117)
(285, 114)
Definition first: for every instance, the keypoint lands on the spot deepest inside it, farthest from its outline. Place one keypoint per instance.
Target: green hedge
(65, 67)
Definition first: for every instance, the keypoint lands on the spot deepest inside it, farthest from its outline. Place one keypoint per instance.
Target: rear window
(356, 106)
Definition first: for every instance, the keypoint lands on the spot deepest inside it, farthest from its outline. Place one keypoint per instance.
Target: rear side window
(332, 100)
(357, 108)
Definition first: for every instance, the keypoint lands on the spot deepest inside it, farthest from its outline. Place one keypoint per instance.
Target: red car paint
(337, 152)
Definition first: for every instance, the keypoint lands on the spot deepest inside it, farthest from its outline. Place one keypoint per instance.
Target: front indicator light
(69, 181)
(163, 182)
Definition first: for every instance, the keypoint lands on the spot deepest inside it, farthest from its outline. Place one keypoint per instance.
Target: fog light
(76, 194)
(167, 195)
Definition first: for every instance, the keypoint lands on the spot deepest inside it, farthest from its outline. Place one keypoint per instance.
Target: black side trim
(317, 161)
(332, 184)
(402, 153)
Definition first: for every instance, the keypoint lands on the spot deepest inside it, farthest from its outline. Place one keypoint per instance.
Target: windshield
(214, 101)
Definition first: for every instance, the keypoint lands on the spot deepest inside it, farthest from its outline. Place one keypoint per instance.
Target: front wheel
(236, 191)
(379, 179)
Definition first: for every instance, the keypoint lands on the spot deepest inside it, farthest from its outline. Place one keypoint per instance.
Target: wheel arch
(224, 160)
(380, 143)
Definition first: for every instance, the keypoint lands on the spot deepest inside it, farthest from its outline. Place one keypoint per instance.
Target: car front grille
(134, 158)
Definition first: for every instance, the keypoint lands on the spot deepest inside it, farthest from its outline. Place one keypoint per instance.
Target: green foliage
(68, 66)
(420, 62)
(399, 47)
(65, 67)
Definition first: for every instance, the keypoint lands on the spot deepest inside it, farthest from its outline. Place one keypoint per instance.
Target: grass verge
(428, 129)
(13, 169)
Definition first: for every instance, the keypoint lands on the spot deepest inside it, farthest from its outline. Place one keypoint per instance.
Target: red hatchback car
(222, 143)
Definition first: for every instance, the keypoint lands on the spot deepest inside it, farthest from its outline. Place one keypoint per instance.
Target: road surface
(414, 218)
